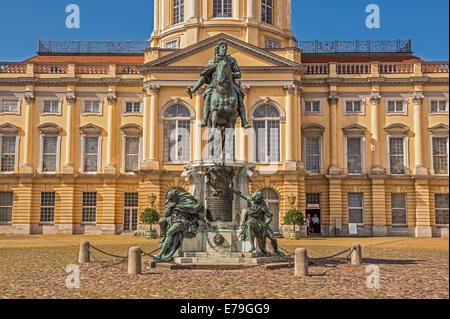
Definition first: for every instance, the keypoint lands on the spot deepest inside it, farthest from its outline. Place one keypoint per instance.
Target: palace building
(356, 132)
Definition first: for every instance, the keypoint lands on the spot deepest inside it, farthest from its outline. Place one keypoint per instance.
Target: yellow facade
(270, 76)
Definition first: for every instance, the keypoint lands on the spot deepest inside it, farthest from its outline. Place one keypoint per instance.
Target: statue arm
(235, 69)
(168, 209)
(268, 216)
(197, 86)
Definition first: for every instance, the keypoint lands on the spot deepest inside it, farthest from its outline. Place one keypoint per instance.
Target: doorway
(130, 214)
(313, 209)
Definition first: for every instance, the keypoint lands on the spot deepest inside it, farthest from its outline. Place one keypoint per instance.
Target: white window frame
(363, 106)
(277, 43)
(438, 99)
(42, 103)
(438, 225)
(40, 211)
(363, 152)
(362, 208)
(12, 210)
(124, 137)
(173, 40)
(130, 211)
(83, 106)
(255, 136)
(272, 7)
(41, 152)
(135, 100)
(180, 17)
(304, 101)
(96, 210)
(223, 7)
(405, 152)
(99, 153)
(406, 210)
(16, 155)
(399, 99)
(321, 157)
(439, 135)
(17, 99)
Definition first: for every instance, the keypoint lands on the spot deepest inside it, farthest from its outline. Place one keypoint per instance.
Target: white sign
(352, 229)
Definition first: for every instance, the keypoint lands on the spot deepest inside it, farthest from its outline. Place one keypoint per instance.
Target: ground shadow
(377, 261)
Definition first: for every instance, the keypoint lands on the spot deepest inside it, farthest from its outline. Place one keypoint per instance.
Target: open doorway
(313, 211)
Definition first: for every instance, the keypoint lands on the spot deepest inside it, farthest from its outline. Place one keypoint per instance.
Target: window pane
(349, 107)
(273, 139)
(440, 155)
(50, 145)
(91, 145)
(397, 159)
(260, 130)
(441, 209)
(312, 149)
(51, 106)
(131, 200)
(355, 216)
(308, 106)
(131, 154)
(47, 206)
(391, 106)
(441, 200)
(6, 205)
(9, 106)
(89, 210)
(355, 200)
(8, 156)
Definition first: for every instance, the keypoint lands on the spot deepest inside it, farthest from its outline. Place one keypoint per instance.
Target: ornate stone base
(209, 258)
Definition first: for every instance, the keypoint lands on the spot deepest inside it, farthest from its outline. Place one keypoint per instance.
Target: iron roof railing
(93, 46)
(357, 46)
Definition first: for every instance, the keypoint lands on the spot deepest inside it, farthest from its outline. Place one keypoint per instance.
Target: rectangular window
(130, 215)
(223, 8)
(178, 11)
(441, 208)
(172, 44)
(49, 151)
(177, 141)
(313, 200)
(131, 154)
(47, 207)
(398, 209)
(133, 107)
(440, 155)
(10, 106)
(90, 154)
(6, 207)
(92, 107)
(272, 43)
(356, 208)
(312, 106)
(267, 141)
(312, 150)
(397, 155)
(89, 208)
(396, 107)
(8, 157)
(353, 107)
(439, 106)
(354, 155)
(51, 107)
(266, 11)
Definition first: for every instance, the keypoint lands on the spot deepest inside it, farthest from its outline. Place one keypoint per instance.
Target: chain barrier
(102, 262)
(150, 254)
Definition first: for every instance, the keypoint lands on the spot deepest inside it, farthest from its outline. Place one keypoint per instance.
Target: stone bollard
(84, 256)
(134, 261)
(301, 263)
(356, 255)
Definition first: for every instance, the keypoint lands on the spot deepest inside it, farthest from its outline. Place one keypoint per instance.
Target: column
(29, 103)
(379, 209)
(418, 155)
(156, 17)
(335, 200)
(109, 168)
(240, 137)
(375, 104)
(154, 90)
(423, 218)
(192, 14)
(289, 15)
(68, 165)
(334, 167)
(250, 9)
(146, 128)
(197, 129)
(289, 90)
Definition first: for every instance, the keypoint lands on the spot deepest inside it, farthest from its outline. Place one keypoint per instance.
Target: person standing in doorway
(308, 224)
(316, 223)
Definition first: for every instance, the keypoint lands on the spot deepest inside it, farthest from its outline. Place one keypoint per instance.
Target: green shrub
(149, 217)
(294, 217)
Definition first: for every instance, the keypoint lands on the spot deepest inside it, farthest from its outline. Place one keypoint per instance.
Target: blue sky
(24, 22)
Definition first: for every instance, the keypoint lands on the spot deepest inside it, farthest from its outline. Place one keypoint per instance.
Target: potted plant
(150, 217)
(294, 217)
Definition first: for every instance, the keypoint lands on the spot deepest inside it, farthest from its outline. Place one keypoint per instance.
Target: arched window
(222, 8)
(267, 131)
(273, 203)
(178, 11)
(266, 11)
(177, 134)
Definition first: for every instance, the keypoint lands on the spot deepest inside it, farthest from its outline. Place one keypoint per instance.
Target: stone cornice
(62, 82)
(199, 69)
(442, 81)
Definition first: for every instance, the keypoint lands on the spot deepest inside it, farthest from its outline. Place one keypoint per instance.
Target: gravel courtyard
(34, 267)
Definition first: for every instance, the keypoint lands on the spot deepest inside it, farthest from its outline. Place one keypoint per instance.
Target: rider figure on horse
(207, 77)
